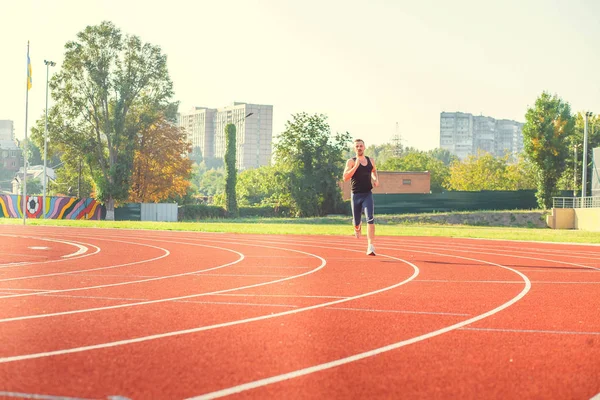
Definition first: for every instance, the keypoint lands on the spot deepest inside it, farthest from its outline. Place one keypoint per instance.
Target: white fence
(159, 212)
(576, 202)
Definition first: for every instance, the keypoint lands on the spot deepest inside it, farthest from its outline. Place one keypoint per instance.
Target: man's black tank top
(361, 180)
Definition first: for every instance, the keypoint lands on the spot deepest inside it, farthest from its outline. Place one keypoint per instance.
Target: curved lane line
(320, 367)
(403, 246)
(26, 317)
(221, 325)
(72, 243)
(166, 253)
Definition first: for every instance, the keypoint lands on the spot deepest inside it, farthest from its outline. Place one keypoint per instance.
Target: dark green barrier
(456, 201)
(129, 212)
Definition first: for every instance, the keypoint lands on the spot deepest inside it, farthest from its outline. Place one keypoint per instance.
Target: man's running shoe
(357, 230)
(371, 250)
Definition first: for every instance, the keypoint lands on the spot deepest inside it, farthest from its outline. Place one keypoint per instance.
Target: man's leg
(370, 213)
(356, 204)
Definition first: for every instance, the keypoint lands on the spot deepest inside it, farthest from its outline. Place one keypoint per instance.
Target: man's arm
(351, 168)
(374, 174)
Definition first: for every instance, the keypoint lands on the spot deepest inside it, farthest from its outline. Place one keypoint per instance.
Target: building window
(406, 181)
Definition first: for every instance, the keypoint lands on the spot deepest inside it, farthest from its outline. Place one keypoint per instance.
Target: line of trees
(113, 128)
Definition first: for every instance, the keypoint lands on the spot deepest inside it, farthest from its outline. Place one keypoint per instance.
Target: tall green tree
(230, 171)
(111, 87)
(311, 163)
(547, 134)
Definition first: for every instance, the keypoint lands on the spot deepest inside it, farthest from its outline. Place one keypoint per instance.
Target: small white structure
(166, 212)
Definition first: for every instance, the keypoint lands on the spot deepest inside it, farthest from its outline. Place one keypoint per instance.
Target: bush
(265, 211)
(194, 212)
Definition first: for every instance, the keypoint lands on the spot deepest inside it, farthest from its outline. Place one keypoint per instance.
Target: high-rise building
(464, 134)
(254, 132)
(199, 123)
(456, 133)
(6, 130)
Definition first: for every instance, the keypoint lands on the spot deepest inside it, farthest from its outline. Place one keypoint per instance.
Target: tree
(571, 177)
(547, 134)
(258, 186)
(443, 155)
(111, 87)
(486, 172)
(309, 162)
(161, 167)
(418, 161)
(230, 171)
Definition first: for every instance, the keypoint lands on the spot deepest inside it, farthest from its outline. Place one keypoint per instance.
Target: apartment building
(464, 134)
(7, 130)
(254, 132)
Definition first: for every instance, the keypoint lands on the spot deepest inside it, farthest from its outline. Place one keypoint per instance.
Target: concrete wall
(585, 219)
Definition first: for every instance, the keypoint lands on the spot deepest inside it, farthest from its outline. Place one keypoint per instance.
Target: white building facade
(463, 135)
(254, 132)
(6, 130)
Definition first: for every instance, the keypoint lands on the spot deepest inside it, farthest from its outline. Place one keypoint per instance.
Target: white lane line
(166, 253)
(291, 296)
(225, 303)
(596, 397)
(370, 353)
(221, 325)
(79, 245)
(38, 248)
(39, 396)
(82, 250)
(465, 281)
(520, 282)
(398, 311)
(530, 331)
(137, 281)
(244, 275)
(323, 262)
(408, 247)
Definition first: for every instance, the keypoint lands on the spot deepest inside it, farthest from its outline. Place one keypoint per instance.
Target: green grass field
(331, 226)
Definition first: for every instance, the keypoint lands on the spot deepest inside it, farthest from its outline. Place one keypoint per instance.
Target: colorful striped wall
(56, 207)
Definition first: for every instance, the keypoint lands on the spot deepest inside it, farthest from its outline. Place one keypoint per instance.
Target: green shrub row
(195, 212)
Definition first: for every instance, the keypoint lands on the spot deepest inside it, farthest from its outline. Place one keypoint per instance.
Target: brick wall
(396, 182)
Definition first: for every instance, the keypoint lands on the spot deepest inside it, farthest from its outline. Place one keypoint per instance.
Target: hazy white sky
(365, 64)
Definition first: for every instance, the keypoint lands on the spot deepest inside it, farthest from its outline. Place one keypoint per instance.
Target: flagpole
(27, 84)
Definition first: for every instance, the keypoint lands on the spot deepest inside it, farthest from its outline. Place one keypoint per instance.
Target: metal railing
(576, 202)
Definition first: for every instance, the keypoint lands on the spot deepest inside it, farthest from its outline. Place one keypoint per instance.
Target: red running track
(99, 314)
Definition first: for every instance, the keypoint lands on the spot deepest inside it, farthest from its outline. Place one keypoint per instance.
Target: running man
(362, 173)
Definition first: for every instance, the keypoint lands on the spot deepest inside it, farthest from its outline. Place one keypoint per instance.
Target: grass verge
(334, 225)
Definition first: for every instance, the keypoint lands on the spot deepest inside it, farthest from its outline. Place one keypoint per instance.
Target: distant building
(6, 130)
(206, 130)
(33, 172)
(11, 159)
(199, 124)
(463, 134)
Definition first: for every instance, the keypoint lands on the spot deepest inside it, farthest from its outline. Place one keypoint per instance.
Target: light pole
(48, 65)
(585, 146)
(575, 146)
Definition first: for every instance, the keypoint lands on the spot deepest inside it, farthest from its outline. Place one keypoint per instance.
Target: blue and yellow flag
(28, 73)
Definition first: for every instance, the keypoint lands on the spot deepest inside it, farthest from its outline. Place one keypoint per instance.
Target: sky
(375, 68)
